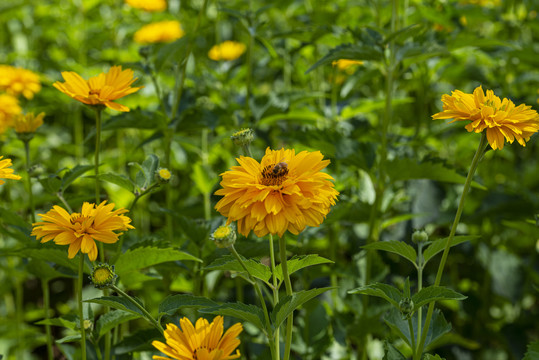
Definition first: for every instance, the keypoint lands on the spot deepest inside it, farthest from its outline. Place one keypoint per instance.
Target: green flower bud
(103, 276)
(406, 307)
(244, 137)
(420, 236)
(162, 175)
(224, 236)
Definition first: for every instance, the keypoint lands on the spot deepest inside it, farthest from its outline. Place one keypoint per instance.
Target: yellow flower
(27, 123)
(9, 107)
(16, 81)
(500, 118)
(487, 3)
(285, 191)
(81, 230)
(347, 65)
(148, 5)
(99, 90)
(163, 31)
(6, 172)
(204, 341)
(228, 50)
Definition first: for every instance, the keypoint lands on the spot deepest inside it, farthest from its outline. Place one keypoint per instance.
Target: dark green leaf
(388, 292)
(110, 320)
(119, 303)
(438, 245)
(250, 313)
(438, 327)
(51, 183)
(70, 322)
(73, 174)
(435, 293)
(175, 50)
(350, 52)
(174, 303)
(405, 33)
(139, 341)
(142, 257)
(116, 179)
(399, 326)
(51, 255)
(288, 304)
(432, 357)
(299, 262)
(396, 247)
(43, 270)
(229, 263)
(533, 351)
(392, 353)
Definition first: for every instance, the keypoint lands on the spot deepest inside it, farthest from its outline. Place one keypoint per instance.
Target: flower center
(94, 92)
(274, 174)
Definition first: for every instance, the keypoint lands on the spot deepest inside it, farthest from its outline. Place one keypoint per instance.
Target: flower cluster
(501, 119)
(285, 191)
(81, 230)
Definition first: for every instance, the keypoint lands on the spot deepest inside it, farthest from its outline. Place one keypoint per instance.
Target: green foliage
(397, 247)
(229, 263)
(249, 313)
(143, 257)
(434, 293)
(119, 303)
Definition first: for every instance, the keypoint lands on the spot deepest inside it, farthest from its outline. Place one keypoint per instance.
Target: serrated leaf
(120, 180)
(388, 292)
(70, 322)
(173, 303)
(397, 247)
(399, 326)
(147, 171)
(140, 340)
(142, 257)
(119, 303)
(229, 263)
(110, 320)
(392, 353)
(350, 52)
(438, 245)
(406, 169)
(533, 351)
(250, 313)
(438, 327)
(203, 179)
(73, 174)
(289, 303)
(299, 262)
(435, 293)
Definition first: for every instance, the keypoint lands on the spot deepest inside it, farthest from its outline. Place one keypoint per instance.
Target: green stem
(81, 311)
(60, 196)
(247, 150)
(96, 154)
(411, 328)
(47, 305)
(275, 290)
(19, 315)
(205, 163)
(289, 292)
(260, 296)
(29, 181)
(148, 316)
(420, 265)
(249, 75)
(478, 154)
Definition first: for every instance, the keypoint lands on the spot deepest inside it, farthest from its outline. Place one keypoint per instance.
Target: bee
(280, 168)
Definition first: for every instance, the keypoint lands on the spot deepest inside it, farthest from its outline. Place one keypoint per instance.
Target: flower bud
(406, 307)
(224, 236)
(162, 175)
(103, 276)
(244, 137)
(420, 236)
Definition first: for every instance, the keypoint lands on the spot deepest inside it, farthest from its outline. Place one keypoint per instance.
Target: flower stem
(96, 154)
(420, 265)
(47, 305)
(60, 196)
(478, 154)
(29, 181)
(275, 290)
(145, 312)
(81, 312)
(249, 75)
(411, 328)
(289, 292)
(261, 297)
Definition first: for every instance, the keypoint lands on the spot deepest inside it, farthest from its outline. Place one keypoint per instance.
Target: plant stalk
(289, 292)
(47, 305)
(275, 290)
(145, 312)
(81, 310)
(29, 182)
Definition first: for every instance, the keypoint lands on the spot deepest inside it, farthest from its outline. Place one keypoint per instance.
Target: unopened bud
(406, 307)
(420, 236)
(224, 236)
(162, 176)
(244, 137)
(103, 276)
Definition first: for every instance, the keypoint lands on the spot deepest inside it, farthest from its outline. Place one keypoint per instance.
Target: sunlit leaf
(142, 257)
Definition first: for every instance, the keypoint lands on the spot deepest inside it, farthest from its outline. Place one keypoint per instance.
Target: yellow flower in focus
(204, 341)
(228, 50)
(347, 65)
(501, 119)
(9, 107)
(148, 5)
(163, 31)
(16, 81)
(81, 230)
(99, 90)
(6, 172)
(285, 191)
(27, 123)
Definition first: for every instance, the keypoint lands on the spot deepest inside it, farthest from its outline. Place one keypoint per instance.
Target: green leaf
(438, 245)
(350, 52)
(438, 327)
(392, 353)
(68, 339)
(397, 247)
(51, 183)
(43, 270)
(147, 256)
(435, 293)
(140, 340)
(432, 357)
(229, 263)
(173, 303)
(405, 33)
(175, 50)
(120, 180)
(73, 174)
(51, 255)
(399, 326)
(135, 119)
(533, 351)
(145, 176)
(70, 322)
(110, 320)
(119, 303)
(295, 116)
(299, 262)
(406, 169)
(289, 303)
(9, 217)
(249, 313)
(203, 178)
(388, 292)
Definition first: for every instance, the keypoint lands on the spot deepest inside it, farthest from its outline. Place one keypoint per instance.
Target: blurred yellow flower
(6, 172)
(204, 341)
(16, 81)
(501, 119)
(99, 90)
(9, 107)
(487, 3)
(285, 191)
(163, 31)
(27, 123)
(347, 65)
(228, 50)
(81, 230)
(148, 5)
